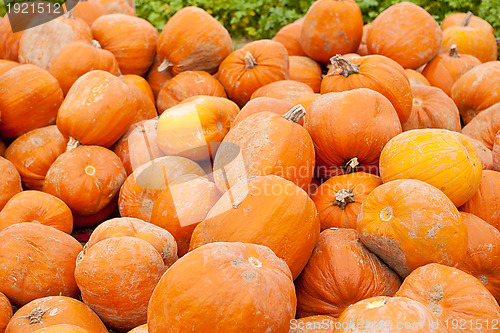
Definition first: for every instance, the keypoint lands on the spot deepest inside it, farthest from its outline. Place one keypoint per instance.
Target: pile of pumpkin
(317, 182)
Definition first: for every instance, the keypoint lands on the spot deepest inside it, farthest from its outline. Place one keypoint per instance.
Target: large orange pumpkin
(349, 130)
(406, 33)
(192, 40)
(289, 36)
(10, 40)
(38, 256)
(156, 78)
(456, 19)
(354, 273)
(306, 70)
(11, 181)
(374, 72)
(261, 104)
(330, 28)
(485, 126)
(442, 158)
(29, 99)
(5, 312)
(139, 82)
(55, 310)
(145, 108)
(409, 223)
(256, 64)
(288, 90)
(249, 290)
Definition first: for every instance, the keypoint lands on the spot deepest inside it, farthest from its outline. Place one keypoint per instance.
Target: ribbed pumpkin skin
(409, 223)
(156, 78)
(246, 281)
(262, 104)
(456, 19)
(5, 312)
(289, 36)
(313, 324)
(452, 295)
(337, 210)
(485, 154)
(5, 65)
(416, 78)
(477, 42)
(288, 90)
(11, 181)
(141, 83)
(485, 126)
(55, 310)
(62, 328)
(444, 159)
(354, 273)
(405, 33)
(306, 70)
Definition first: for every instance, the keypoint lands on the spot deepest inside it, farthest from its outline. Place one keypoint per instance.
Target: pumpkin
(306, 100)
(445, 69)
(483, 253)
(354, 273)
(29, 99)
(88, 11)
(477, 90)
(86, 178)
(416, 78)
(289, 36)
(485, 126)
(30, 254)
(34, 152)
(41, 44)
(131, 39)
(97, 110)
(484, 203)
(313, 324)
(5, 65)
(266, 144)
(330, 28)
(10, 40)
(140, 329)
(62, 328)
(55, 310)
(125, 269)
(245, 280)
(37, 207)
(363, 49)
(288, 90)
(80, 57)
(406, 33)
(442, 158)
(432, 108)
(264, 104)
(84, 221)
(362, 114)
(306, 70)
(160, 239)
(456, 19)
(145, 184)
(476, 41)
(5, 312)
(141, 83)
(11, 181)
(373, 72)
(156, 78)
(188, 84)
(453, 296)
(184, 46)
(485, 154)
(396, 314)
(194, 129)
(138, 145)
(496, 152)
(409, 223)
(282, 217)
(256, 64)
(182, 206)
(145, 108)
(338, 200)
(117, 6)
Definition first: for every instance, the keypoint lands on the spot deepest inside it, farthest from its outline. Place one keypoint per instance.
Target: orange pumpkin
(484, 203)
(477, 90)
(289, 36)
(5, 312)
(485, 126)
(266, 144)
(456, 19)
(62, 328)
(264, 104)
(406, 33)
(185, 46)
(416, 78)
(10, 40)
(306, 100)
(313, 324)
(453, 296)
(256, 64)
(306, 70)
(86, 178)
(141, 83)
(409, 223)
(330, 28)
(29, 99)
(84, 221)
(374, 72)
(5, 65)
(485, 154)
(88, 11)
(245, 280)
(442, 158)
(496, 152)
(157, 78)
(98, 109)
(131, 39)
(37, 207)
(30, 253)
(117, 6)
(11, 181)
(125, 269)
(80, 57)
(363, 49)
(145, 108)
(188, 84)
(354, 273)
(34, 152)
(282, 217)
(362, 114)
(140, 329)
(445, 69)
(338, 200)
(288, 90)
(432, 108)
(55, 310)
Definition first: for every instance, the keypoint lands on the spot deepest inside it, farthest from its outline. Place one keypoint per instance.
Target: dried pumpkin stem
(72, 143)
(345, 65)
(250, 61)
(295, 114)
(95, 44)
(351, 165)
(165, 64)
(343, 198)
(466, 20)
(35, 317)
(454, 51)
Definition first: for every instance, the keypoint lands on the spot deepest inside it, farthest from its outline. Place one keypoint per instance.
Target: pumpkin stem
(345, 65)
(70, 14)
(72, 143)
(250, 61)
(467, 18)
(343, 198)
(454, 51)
(96, 44)
(36, 316)
(351, 165)
(295, 114)
(165, 65)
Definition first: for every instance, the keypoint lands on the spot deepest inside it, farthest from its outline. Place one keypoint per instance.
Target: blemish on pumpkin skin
(434, 298)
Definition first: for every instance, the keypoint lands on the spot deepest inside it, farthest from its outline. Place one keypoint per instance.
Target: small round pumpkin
(262, 104)
(5, 312)
(288, 90)
(289, 36)
(416, 78)
(485, 126)
(11, 181)
(306, 70)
